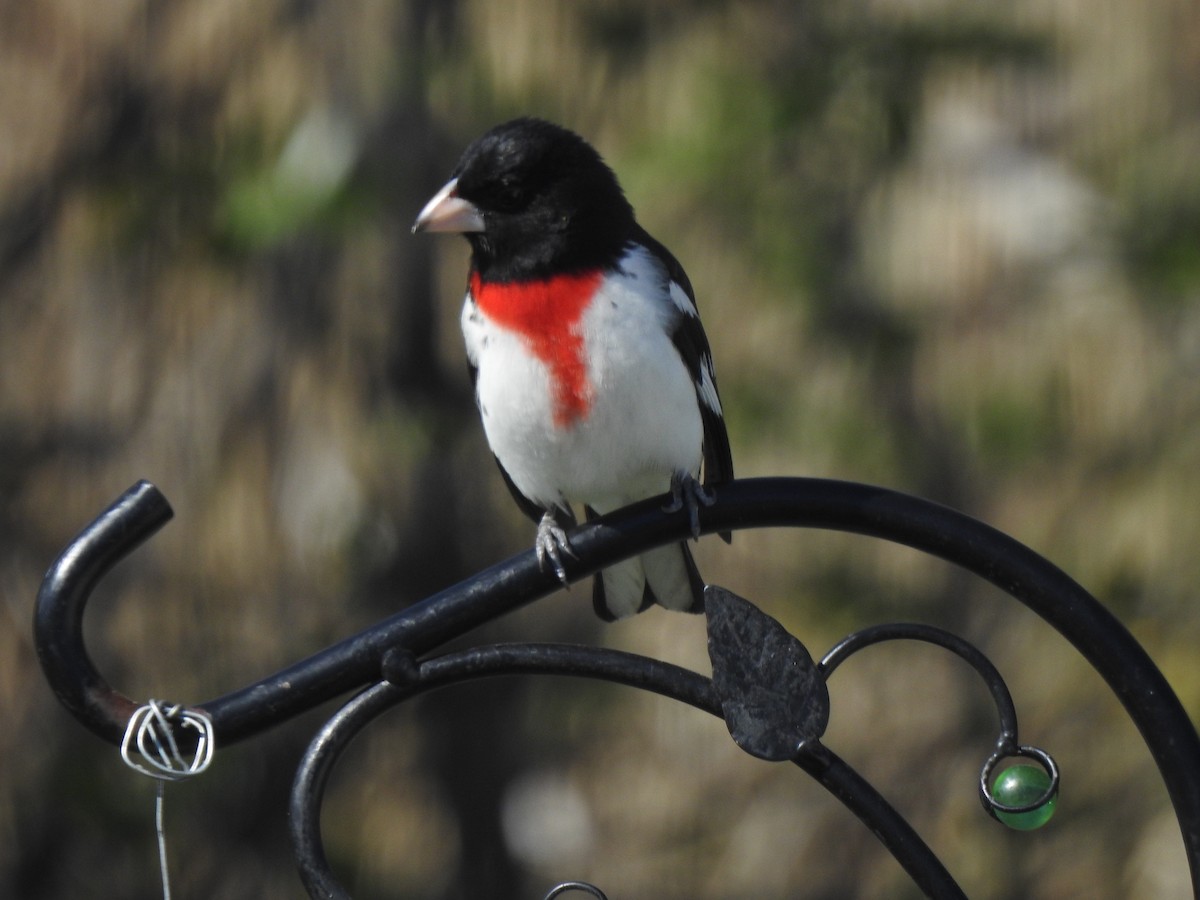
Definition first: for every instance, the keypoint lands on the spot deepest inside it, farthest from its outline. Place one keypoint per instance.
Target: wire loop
(150, 747)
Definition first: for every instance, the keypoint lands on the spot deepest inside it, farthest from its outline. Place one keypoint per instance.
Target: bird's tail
(666, 575)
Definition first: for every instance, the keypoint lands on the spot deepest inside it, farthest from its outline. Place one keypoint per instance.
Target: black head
(533, 199)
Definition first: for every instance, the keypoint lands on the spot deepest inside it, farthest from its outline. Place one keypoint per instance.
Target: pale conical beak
(449, 212)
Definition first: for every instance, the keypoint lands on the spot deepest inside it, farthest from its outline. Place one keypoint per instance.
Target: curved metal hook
(58, 615)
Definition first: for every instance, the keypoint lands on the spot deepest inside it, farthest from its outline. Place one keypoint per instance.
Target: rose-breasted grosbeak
(592, 372)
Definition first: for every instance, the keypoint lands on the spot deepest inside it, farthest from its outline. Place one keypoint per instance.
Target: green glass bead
(1019, 786)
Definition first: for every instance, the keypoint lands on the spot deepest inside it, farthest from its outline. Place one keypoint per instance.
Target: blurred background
(945, 246)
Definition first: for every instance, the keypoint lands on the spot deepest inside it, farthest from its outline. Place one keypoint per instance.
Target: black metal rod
(892, 829)
(666, 679)
(752, 503)
(312, 775)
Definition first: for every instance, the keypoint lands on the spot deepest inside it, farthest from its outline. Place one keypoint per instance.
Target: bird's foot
(551, 543)
(688, 493)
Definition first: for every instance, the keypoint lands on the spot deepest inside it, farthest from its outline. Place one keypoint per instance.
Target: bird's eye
(509, 192)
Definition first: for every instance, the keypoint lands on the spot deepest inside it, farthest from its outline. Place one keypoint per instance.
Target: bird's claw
(551, 543)
(688, 493)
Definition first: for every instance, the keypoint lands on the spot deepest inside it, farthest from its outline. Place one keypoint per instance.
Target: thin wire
(160, 788)
(149, 747)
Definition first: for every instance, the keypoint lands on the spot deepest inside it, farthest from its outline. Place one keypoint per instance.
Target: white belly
(643, 423)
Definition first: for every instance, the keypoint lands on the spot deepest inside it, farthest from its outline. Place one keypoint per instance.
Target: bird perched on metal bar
(592, 373)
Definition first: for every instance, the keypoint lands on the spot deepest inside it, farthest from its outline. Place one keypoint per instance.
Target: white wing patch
(706, 388)
(682, 301)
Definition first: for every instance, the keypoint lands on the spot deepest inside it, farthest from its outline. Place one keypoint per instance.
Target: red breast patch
(546, 313)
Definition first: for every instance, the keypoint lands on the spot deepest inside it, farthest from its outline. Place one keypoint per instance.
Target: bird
(592, 372)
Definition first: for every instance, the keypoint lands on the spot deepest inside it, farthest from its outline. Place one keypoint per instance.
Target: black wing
(692, 343)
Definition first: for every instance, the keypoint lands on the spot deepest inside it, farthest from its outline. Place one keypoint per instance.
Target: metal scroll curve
(673, 682)
(407, 677)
